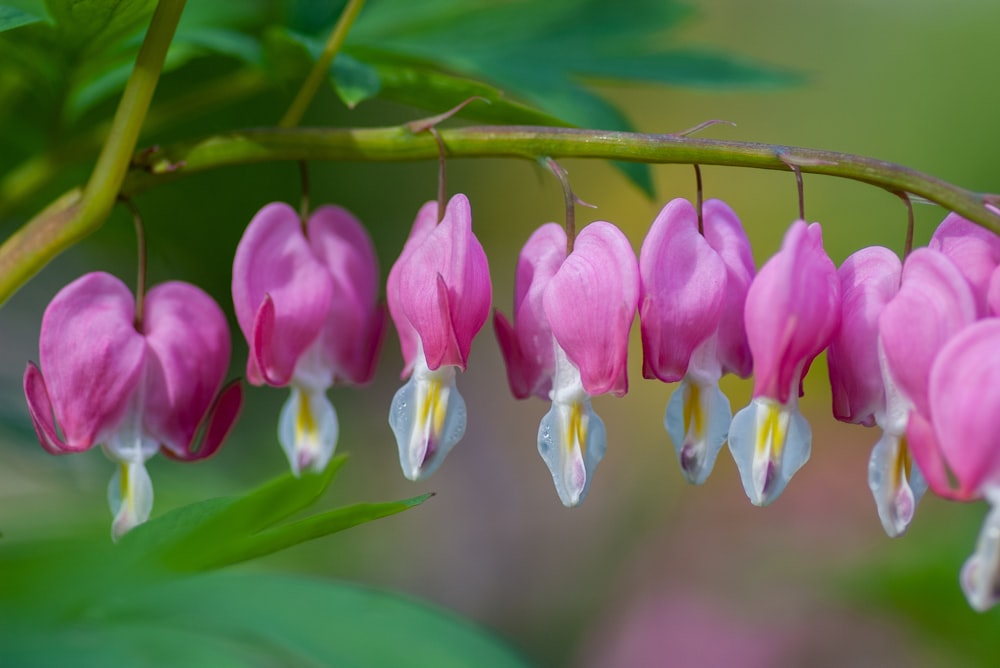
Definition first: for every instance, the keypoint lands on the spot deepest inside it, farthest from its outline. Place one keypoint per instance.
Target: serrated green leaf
(541, 53)
(315, 526)
(353, 80)
(430, 89)
(203, 532)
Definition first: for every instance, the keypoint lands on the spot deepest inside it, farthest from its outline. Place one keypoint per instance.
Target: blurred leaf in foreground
(155, 599)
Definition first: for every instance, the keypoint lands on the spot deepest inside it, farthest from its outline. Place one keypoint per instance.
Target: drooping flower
(132, 388)
(863, 388)
(959, 435)
(973, 249)
(692, 295)
(569, 342)
(306, 300)
(792, 312)
(439, 296)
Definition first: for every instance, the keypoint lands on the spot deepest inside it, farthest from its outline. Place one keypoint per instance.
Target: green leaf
(251, 620)
(430, 89)
(95, 24)
(542, 53)
(17, 13)
(354, 81)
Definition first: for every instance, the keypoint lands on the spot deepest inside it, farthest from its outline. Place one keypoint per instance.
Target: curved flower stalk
(863, 390)
(305, 298)
(439, 295)
(569, 342)
(960, 437)
(133, 389)
(792, 312)
(692, 294)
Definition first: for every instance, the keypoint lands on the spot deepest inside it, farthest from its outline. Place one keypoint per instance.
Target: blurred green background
(648, 567)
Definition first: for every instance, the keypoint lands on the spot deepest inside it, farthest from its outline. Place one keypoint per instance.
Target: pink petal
(792, 312)
(869, 279)
(973, 249)
(187, 360)
(965, 407)
(933, 304)
(449, 259)
(219, 420)
(274, 259)
(590, 304)
(352, 333)
(926, 451)
(993, 295)
(682, 291)
(409, 340)
(725, 234)
(92, 359)
(527, 345)
(40, 410)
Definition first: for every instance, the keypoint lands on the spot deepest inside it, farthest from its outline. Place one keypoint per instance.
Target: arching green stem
(47, 234)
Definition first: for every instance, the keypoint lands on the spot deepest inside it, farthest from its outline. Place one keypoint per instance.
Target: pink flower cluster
(913, 347)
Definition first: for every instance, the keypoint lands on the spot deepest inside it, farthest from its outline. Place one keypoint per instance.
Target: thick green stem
(321, 68)
(81, 211)
(399, 144)
(153, 168)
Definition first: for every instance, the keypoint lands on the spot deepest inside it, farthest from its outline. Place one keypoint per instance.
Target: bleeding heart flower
(792, 312)
(305, 298)
(959, 435)
(439, 296)
(132, 388)
(862, 387)
(569, 342)
(692, 295)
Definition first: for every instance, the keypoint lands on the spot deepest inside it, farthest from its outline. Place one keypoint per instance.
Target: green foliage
(66, 60)
(158, 598)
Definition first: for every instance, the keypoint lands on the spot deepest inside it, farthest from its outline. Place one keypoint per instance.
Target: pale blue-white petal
(428, 417)
(981, 572)
(308, 430)
(130, 495)
(896, 483)
(571, 459)
(697, 421)
(770, 442)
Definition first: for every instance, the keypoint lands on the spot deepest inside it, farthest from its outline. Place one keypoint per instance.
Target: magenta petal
(792, 311)
(352, 331)
(973, 249)
(40, 410)
(682, 291)
(91, 356)
(993, 295)
(926, 451)
(220, 419)
(933, 304)
(188, 356)
(449, 257)
(409, 340)
(590, 304)
(725, 234)
(519, 371)
(274, 259)
(527, 346)
(869, 279)
(965, 407)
